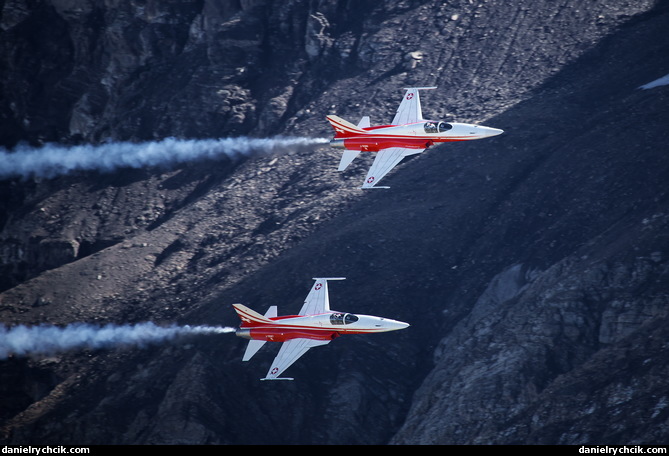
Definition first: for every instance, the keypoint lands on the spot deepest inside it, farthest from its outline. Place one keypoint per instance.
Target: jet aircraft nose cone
(493, 131)
(394, 325)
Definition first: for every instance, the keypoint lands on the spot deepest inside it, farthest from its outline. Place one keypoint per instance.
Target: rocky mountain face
(532, 266)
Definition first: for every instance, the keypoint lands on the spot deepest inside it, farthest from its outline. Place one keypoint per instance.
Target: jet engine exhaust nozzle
(338, 143)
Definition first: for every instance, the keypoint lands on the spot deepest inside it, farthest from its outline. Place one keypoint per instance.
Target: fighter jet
(408, 134)
(313, 326)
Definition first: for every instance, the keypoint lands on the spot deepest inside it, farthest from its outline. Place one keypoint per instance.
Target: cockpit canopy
(437, 127)
(342, 319)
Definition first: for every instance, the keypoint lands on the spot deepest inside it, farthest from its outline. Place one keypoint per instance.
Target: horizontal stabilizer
(252, 348)
(364, 122)
(347, 157)
(278, 378)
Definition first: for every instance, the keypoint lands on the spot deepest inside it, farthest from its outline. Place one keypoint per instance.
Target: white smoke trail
(47, 340)
(52, 160)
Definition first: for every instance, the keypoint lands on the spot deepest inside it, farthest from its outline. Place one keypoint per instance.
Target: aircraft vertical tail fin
(250, 317)
(343, 128)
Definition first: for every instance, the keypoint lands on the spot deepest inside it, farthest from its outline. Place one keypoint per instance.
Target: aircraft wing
(386, 160)
(410, 110)
(290, 352)
(317, 300)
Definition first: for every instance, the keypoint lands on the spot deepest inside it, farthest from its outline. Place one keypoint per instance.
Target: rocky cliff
(531, 266)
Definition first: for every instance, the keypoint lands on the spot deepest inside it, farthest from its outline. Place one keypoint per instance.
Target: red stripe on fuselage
(374, 143)
(283, 333)
(420, 137)
(280, 334)
(377, 127)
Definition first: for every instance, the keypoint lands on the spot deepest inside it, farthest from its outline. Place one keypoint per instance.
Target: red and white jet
(315, 325)
(408, 134)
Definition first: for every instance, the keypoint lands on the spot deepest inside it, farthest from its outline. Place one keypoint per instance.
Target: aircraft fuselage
(326, 326)
(417, 135)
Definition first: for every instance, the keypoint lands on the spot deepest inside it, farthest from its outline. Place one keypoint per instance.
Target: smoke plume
(52, 160)
(48, 340)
